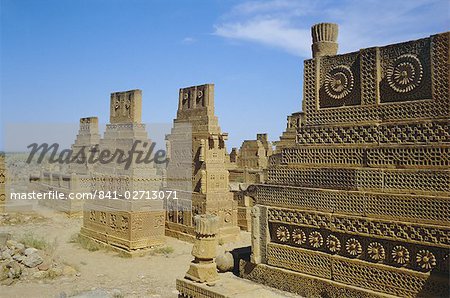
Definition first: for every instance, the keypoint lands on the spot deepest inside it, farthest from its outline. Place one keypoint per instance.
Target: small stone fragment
(69, 271)
(44, 266)
(11, 244)
(30, 251)
(14, 270)
(32, 260)
(39, 274)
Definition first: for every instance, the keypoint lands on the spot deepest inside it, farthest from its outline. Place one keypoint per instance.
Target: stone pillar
(203, 267)
(255, 257)
(324, 37)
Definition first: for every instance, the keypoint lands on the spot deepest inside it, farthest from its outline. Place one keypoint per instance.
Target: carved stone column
(255, 257)
(203, 267)
(324, 37)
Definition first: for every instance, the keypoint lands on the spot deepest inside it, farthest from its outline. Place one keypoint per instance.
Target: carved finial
(206, 225)
(203, 267)
(324, 37)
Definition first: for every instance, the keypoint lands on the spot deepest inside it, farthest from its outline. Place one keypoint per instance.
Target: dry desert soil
(100, 273)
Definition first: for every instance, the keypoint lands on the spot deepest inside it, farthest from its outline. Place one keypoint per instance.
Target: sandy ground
(101, 273)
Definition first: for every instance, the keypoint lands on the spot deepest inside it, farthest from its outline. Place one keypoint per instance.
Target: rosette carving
(353, 247)
(339, 82)
(283, 234)
(405, 74)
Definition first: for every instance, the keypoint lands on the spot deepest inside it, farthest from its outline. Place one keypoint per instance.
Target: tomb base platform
(312, 286)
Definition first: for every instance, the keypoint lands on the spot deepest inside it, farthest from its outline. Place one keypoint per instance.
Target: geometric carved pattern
(188, 289)
(364, 193)
(392, 156)
(396, 254)
(434, 209)
(438, 236)
(409, 156)
(128, 230)
(400, 133)
(428, 105)
(413, 181)
(369, 76)
(439, 66)
(395, 281)
(390, 280)
(302, 261)
(309, 87)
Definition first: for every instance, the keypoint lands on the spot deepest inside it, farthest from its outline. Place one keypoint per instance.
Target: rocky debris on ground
(19, 218)
(94, 293)
(18, 262)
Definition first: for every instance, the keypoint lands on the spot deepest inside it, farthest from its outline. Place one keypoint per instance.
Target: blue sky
(60, 59)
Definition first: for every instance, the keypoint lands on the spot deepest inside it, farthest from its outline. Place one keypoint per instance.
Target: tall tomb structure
(358, 204)
(127, 217)
(248, 166)
(196, 168)
(76, 178)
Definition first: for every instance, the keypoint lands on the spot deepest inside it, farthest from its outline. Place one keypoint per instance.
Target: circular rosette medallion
(400, 255)
(298, 236)
(353, 247)
(333, 244)
(376, 251)
(405, 74)
(339, 82)
(283, 234)
(315, 239)
(426, 259)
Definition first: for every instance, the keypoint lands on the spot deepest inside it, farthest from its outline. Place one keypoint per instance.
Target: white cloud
(273, 6)
(272, 32)
(285, 24)
(188, 40)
